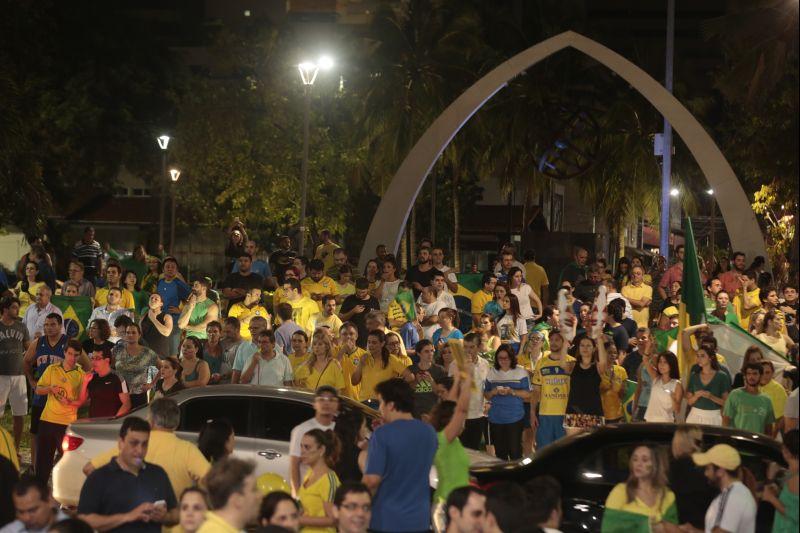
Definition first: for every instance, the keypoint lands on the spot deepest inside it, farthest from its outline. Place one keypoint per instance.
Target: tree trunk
(456, 225)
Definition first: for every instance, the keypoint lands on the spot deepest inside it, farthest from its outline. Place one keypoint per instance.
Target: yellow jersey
(314, 496)
(479, 300)
(632, 292)
(68, 385)
(127, 302)
(349, 362)
(554, 382)
(372, 374)
(324, 286)
(536, 277)
(609, 393)
(310, 378)
(245, 315)
(745, 314)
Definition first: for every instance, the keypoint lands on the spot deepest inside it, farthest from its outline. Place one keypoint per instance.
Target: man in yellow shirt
(328, 317)
(640, 296)
(317, 285)
(747, 301)
(349, 356)
(234, 496)
(536, 277)
(773, 390)
(325, 250)
(483, 296)
(184, 464)
(61, 383)
(303, 308)
(247, 309)
(114, 279)
(550, 390)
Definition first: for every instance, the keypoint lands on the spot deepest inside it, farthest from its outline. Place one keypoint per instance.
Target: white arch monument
(398, 199)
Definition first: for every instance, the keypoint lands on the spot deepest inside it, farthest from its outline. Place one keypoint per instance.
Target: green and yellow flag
(405, 299)
(76, 311)
(692, 309)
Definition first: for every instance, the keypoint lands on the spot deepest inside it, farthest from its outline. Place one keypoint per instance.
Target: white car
(262, 418)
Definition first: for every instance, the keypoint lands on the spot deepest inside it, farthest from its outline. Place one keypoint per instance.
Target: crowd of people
(521, 368)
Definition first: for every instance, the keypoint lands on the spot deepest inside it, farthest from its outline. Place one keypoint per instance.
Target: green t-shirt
(751, 412)
(198, 315)
(452, 466)
(719, 385)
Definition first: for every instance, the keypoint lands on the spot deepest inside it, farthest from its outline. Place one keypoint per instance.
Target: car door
(238, 410)
(274, 419)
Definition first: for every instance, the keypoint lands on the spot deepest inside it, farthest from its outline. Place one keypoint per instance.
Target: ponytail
(330, 441)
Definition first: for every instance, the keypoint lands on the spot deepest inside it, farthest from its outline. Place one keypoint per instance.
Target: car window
(279, 417)
(197, 411)
(608, 465)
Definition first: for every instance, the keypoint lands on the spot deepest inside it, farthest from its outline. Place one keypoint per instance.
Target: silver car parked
(262, 418)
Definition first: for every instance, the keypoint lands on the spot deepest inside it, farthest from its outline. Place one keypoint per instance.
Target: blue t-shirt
(507, 409)
(402, 452)
(258, 267)
(410, 337)
(437, 338)
(172, 294)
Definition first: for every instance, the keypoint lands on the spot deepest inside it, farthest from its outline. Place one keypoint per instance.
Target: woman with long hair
(351, 430)
(584, 403)
(319, 451)
(667, 392)
(321, 367)
(386, 289)
(528, 299)
(216, 439)
(130, 282)
(753, 354)
(511, 325)
(192, 508)
(693, 493)
(375, 366)
(27, 287)
(448, 328)
(133, 362)
(646, 376)
(98, 332)
(771, 333)
(150, 279)
(507, 387)
(494, 306)
(623, 271)
(279, 509)
(644, 501)
(707, 389)
(372, 272)
(196, 372)
(785, 500)
(170, 380)
(396, 347)
(214, 353)
(488, 326)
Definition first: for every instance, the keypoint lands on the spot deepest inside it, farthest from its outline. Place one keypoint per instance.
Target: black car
(590, 464)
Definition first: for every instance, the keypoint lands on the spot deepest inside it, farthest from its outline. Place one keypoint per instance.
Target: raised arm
(456, 424)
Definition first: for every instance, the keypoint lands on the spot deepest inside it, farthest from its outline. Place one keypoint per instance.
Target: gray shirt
(13, 339)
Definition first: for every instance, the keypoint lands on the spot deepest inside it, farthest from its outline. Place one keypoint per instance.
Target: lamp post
(163, 142)
(174, 174)
(308, 75)
(713, 219)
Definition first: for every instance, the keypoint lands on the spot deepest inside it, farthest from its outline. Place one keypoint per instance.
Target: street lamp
(163, 142)
(174, 174)
(308, 75)
(713, 231)
(674, 192)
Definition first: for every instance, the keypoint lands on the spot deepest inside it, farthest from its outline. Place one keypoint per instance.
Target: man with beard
(746, 408)
(199, 310)
(421, 274)
(734, 510)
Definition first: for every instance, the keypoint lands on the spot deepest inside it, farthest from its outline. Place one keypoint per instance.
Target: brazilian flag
(405, 299)
(627, 400)
(76, 311)
(468, 285)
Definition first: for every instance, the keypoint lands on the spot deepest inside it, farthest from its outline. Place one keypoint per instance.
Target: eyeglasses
(97, 358)
(327, 399)
(366, 507)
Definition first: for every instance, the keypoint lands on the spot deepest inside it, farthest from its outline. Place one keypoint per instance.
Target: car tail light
(70, 443)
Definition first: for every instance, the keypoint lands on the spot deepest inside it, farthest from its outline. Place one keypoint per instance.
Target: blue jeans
(551, 428)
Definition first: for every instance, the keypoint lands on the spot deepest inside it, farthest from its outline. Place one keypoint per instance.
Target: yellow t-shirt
(296, 361)
(372, 374)
(324, 253)
(215, 524)
(554, 382)
(7, 448)
(396, 314)
(333, 322)
(309, 378)
(239, 310)
(182, 461)
(26, 298)
(349, 363)
(324, 286)
(479, 300)
(536, 277)
(101, 298)
(741, 312)
(632, 292)
(303, 311)
(609, 393)
(664, 510)
(69, 387)
(777, 395)
(314, 496)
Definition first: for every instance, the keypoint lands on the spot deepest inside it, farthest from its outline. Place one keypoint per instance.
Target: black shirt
(153, 338)
(693, 494)
(620, 336)
(110, 490)
(104, 394)
(415, 275)
(360, 319)
(237, 281)
(424, 393)
(280, 260)
(584, 391)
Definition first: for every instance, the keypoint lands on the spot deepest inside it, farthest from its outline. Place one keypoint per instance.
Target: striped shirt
(89, 255)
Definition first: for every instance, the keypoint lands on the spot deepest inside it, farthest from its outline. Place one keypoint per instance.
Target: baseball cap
(671, 311)
(326, 389)
(721, 455)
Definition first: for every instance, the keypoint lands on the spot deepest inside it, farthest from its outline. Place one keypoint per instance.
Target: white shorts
(14, 389)
(708, 417)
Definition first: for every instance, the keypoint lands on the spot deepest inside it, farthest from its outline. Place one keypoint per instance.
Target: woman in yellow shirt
(396, 347)
(27, 288)
(321, 367)
(375, 366)
(319, 451)
(644, 502)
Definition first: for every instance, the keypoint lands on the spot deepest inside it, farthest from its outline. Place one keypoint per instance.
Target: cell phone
(160, 503)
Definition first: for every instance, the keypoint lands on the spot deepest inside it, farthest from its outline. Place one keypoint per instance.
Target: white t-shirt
(431, 309)
(476, 399)
(300, 430)
(792, 406)
(273, 372)
(388, 294)
(659, 408)
(511, 330)
(733, 510)
(445, 298)
(449, 273)
(523, 294)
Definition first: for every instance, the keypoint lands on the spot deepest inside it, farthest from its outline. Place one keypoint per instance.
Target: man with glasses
(246, 349)
(640, 296)
(352, 507)
(75, 272)
(326, 407)
(267, 366)
(106, 391)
